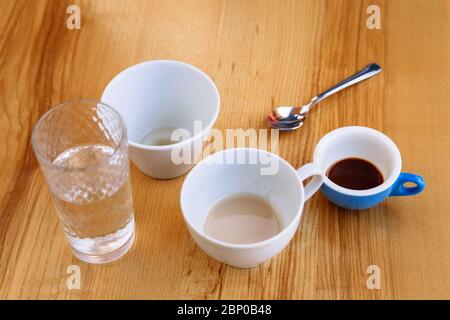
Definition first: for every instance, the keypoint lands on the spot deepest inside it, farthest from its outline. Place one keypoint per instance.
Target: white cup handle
(311, 170)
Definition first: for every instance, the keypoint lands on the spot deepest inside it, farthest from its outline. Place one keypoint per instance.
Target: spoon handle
(366, 73)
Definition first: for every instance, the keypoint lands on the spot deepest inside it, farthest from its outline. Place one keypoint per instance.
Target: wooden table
(260, 54)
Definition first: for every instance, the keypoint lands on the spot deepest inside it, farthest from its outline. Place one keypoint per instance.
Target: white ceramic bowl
(215, 178)
(163, 93)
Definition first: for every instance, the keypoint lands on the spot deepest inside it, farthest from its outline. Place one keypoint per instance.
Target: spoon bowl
(286, 126)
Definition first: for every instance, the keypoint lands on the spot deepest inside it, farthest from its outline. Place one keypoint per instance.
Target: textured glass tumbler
(82, 149)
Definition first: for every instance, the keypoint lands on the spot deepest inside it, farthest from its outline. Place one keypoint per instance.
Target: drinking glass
(82, 150)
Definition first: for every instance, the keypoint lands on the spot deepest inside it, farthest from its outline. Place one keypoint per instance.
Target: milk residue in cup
(159, 136)
(242, 218)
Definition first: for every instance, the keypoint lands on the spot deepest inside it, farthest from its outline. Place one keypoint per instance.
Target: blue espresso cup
(371, 145)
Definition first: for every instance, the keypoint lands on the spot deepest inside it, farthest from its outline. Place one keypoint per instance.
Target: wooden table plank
(260, 54)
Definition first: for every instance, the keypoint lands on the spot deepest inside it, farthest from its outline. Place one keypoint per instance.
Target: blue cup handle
(399, 188)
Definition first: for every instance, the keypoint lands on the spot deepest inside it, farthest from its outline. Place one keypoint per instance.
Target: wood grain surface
(260, 54)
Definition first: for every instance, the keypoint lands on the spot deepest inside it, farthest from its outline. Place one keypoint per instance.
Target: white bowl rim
(368, 192)
(138, 145)
(246, 245)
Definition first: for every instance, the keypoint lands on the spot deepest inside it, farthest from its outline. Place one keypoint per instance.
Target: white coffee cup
(217, 177)
(163, 93)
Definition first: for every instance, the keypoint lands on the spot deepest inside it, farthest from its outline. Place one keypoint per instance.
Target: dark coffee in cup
(355, 174)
